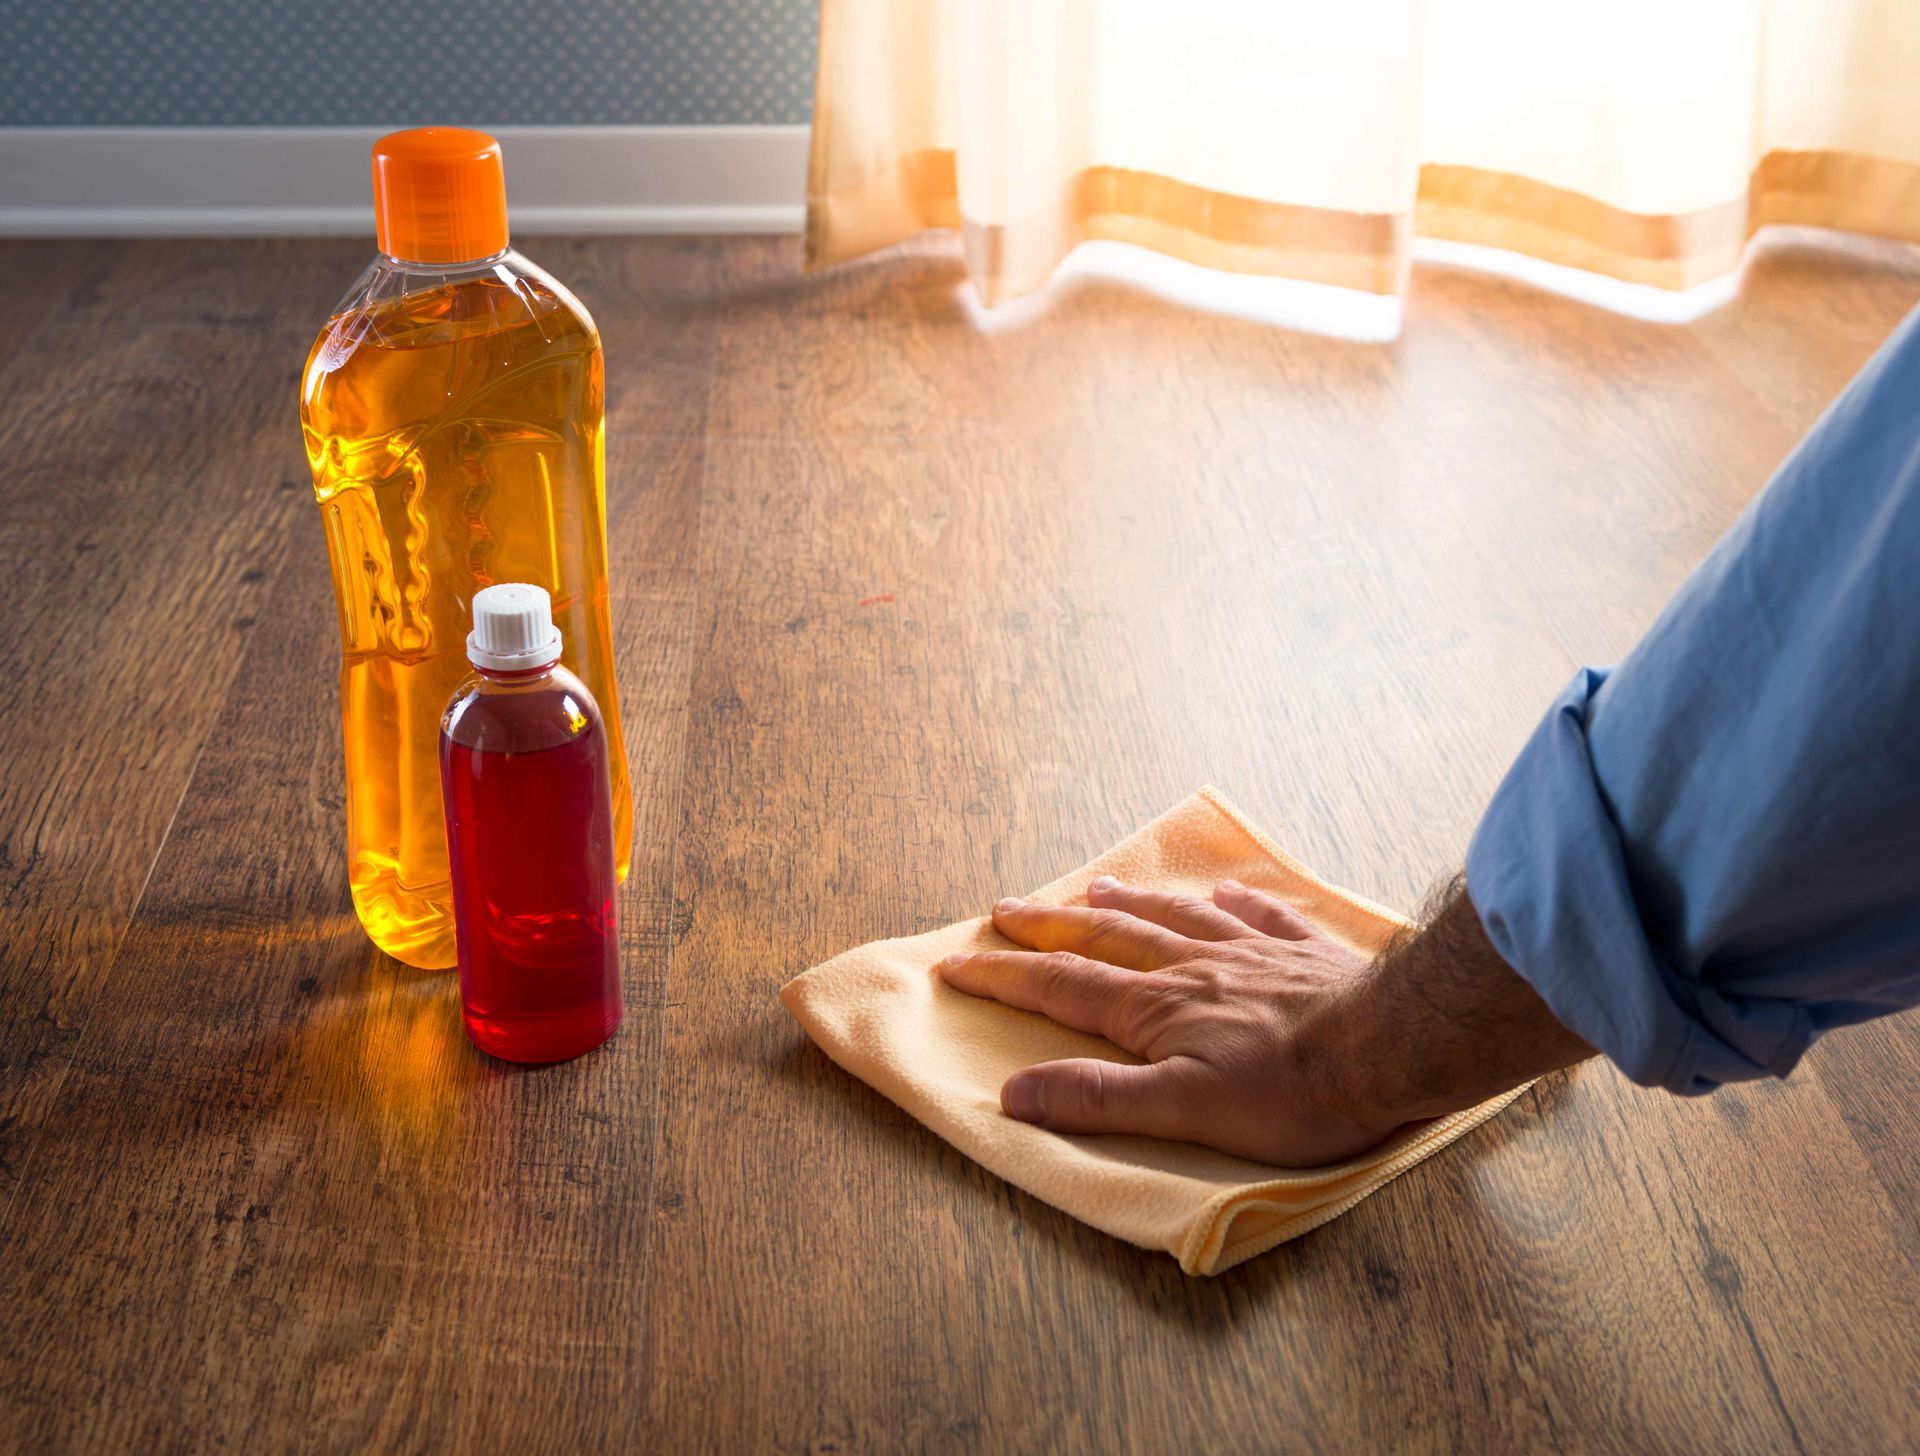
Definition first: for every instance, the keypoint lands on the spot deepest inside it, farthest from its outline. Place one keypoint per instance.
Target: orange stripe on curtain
(1669, 250)
(1368, 251)
(1214, 229)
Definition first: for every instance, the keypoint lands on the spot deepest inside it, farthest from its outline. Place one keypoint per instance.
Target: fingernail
(959, 957)
(1012, 902)
(1231, 885)
(1105, 882)
(1025, 1097)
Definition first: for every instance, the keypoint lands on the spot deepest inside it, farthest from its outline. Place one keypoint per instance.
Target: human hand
(1260, 1035)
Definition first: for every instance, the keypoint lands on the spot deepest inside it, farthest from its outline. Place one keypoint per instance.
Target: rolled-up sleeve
(1710, 854)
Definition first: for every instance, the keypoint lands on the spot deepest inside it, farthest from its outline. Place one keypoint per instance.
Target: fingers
(1090, 1096)
(1182, 914)
(1112, 936)
(1262, 911)
(1084, 994)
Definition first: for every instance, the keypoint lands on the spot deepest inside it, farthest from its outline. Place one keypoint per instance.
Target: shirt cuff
(1547, 873)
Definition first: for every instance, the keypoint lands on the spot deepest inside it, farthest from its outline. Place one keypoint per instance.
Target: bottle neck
(516, 675)
(457, 265)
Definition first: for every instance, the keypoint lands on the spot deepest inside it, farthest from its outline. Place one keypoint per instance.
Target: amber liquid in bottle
(455, 436)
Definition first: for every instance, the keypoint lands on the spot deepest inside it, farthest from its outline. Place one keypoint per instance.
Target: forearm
(1445, 1023)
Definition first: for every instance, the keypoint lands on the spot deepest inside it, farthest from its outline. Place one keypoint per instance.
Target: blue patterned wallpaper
(379, 62)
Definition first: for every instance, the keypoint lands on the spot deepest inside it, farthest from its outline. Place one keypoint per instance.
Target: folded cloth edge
(1259, 836)
(1206, 1250)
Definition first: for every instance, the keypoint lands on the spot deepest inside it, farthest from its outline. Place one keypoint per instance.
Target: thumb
(1088, 1095)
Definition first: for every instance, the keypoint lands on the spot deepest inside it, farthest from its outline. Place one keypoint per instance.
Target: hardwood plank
(52, 281)
(1868, 1073)
(279, 1191)
(1075, 660)
(1813, 307)
(145, 427)
(1607, 454)
(908, 615)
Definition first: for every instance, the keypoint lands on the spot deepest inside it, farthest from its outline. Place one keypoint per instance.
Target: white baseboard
(248, 181)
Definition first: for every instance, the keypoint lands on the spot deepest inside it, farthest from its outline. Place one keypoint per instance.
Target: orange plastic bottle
(453, 409)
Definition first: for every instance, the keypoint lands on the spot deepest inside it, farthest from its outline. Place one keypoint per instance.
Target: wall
(254, 63)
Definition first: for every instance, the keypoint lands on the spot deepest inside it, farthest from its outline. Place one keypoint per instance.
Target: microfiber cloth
(882, 1012)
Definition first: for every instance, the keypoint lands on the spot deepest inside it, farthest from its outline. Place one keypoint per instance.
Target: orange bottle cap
(439, 195)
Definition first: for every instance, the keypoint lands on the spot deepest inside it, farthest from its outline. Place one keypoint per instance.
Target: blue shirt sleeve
(1710, 854)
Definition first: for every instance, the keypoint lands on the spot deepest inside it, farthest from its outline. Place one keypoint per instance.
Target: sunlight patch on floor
(1635, 300)
(1342, 313)
(1345, 313)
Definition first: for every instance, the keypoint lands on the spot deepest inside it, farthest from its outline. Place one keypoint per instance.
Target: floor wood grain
(910, 614)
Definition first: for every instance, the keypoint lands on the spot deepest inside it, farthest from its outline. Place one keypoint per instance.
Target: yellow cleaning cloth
(882, 1013)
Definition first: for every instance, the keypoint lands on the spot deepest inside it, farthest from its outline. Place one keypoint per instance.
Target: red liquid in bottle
(524, 769)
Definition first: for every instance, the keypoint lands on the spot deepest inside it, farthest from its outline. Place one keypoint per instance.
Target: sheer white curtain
(1642, 139)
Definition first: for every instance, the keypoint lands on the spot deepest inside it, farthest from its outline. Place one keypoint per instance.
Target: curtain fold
(1641, 139)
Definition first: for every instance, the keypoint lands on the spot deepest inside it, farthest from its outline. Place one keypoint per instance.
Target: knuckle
(1140, 1009)
(1090, 1090)
(1062, 965)
(1205, 982)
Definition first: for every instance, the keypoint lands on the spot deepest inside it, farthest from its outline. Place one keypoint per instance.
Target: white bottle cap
(512, 628)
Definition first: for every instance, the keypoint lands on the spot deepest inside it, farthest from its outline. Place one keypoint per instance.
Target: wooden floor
(910, 615)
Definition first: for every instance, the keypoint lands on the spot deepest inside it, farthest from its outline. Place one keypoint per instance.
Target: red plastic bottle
(524, 775)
